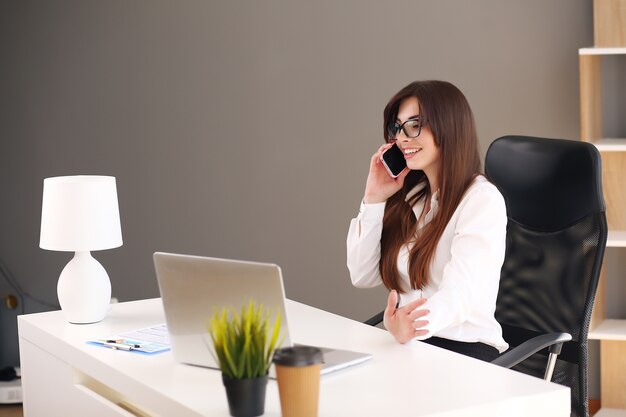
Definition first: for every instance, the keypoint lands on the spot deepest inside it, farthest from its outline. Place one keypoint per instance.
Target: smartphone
(393, 160)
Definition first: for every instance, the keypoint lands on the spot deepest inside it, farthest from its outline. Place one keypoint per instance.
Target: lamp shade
(80, 213)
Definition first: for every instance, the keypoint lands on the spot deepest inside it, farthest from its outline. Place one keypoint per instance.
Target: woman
(436, 233)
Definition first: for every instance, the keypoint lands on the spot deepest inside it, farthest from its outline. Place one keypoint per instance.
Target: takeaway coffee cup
(298, 375)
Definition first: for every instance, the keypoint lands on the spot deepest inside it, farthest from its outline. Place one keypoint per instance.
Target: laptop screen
(193, 288)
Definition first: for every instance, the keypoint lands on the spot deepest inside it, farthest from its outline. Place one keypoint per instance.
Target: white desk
(64, 376)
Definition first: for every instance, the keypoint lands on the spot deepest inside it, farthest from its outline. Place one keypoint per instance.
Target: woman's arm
(363, 245)
(363, 241)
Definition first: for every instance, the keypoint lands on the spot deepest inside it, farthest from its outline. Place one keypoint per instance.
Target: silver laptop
(193, 287)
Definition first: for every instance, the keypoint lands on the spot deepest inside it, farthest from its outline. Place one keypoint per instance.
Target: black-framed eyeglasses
(411, 128)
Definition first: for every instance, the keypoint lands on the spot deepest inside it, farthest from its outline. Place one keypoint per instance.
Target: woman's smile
(410, 152)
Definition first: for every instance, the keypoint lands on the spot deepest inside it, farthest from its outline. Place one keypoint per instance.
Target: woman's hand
(403, 322)
(380, 186)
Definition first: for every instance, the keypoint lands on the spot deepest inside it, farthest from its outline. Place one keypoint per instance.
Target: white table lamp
(80, 214)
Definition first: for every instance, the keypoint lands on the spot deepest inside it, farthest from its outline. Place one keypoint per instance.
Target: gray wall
(244, 129)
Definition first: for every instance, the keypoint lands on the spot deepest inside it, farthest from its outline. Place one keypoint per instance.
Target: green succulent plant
(243, 344)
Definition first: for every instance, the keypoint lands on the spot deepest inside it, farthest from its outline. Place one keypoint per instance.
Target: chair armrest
(531, 346)
(373, 321)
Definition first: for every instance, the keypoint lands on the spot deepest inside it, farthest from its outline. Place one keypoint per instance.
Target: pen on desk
(120, 346)
(120, 341)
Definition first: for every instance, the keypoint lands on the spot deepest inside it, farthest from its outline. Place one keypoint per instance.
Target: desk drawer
(95, 405)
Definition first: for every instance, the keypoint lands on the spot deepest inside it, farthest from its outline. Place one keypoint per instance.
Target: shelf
(610, 144)
(602, 51)
(616, 239)
(608, 18)
(611, 329)
(610, 412)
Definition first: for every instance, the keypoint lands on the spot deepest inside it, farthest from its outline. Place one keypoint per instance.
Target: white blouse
(464, 274)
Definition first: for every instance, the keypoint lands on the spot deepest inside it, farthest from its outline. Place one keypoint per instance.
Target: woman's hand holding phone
(380, 185)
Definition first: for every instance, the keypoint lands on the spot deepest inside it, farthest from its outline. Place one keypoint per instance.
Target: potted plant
(243, 345)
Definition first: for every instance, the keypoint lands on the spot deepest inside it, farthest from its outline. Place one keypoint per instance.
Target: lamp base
(84, 290)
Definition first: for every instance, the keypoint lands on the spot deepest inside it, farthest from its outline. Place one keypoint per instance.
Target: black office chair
(556, 236)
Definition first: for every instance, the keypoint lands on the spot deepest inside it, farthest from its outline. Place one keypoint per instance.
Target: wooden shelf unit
(602, 51)
(610, 412)
(616, 239)
(610, 331)
(611, 144)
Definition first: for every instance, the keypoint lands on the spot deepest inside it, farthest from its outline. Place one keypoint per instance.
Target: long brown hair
(448, 115)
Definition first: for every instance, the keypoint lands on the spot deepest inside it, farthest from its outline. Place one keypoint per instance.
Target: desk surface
(400, 380)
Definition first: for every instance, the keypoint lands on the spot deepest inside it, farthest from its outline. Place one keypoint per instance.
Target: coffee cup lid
(298, 356)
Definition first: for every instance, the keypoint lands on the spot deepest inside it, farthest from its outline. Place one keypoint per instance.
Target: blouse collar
(419, 206)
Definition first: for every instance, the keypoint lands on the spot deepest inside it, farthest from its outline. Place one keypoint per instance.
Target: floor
(594, 406)
(11, 410)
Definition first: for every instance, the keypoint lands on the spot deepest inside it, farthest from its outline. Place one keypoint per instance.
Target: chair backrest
(556, 236)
